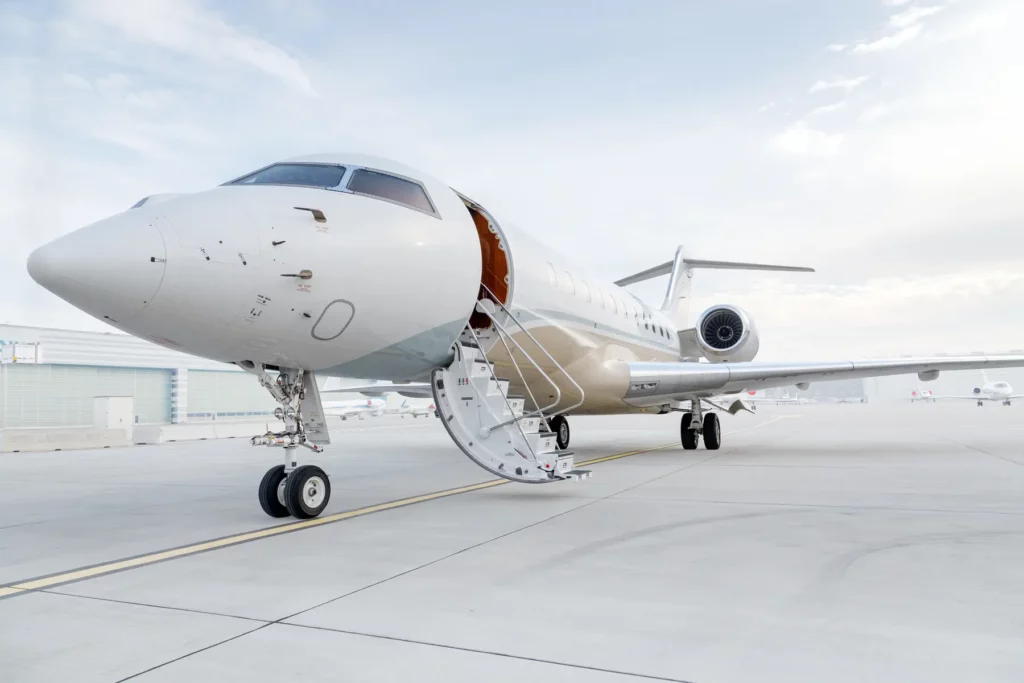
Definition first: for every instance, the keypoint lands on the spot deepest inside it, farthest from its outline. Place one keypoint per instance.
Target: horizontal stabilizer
(666, 268)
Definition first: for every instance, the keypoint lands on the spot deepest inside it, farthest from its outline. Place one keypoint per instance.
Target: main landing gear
(560, 427)
(290, 489)
(696, 424)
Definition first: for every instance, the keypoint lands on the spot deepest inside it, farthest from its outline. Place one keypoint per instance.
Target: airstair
(494, 429)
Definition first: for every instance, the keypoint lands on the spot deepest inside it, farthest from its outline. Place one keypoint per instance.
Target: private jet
(414, 411)
(268, 271)
(990, 391)
(355, 408)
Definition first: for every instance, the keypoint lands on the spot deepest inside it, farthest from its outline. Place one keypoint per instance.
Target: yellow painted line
(625, 455)
(131, 563)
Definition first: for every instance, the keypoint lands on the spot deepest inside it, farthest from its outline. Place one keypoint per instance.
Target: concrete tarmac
(821, 543)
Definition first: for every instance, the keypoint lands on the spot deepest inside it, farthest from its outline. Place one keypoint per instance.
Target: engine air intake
(722, 329)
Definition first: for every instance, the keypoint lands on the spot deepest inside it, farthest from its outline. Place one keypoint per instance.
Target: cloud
(185, 27)
(846, 84)
(766, 107)
(884, 196)
(827, 108)
(912, 16)
(896, 3)
(800, 139)
(885, 304)
(876, 111)
(890, 42)
(837, 47)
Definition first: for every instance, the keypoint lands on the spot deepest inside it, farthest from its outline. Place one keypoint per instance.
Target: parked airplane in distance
(355, 408)
(991, 391)
(921, 395)
(415, 411)
(269, 272)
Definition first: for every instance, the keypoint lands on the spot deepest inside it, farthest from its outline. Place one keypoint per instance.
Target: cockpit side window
(391, 189)
(325, 176)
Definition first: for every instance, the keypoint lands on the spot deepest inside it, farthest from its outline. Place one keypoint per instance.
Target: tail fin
(680, 270)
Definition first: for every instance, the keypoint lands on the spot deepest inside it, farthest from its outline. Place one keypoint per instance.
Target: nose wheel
(303, 494)
(271, 492)
(307, 492)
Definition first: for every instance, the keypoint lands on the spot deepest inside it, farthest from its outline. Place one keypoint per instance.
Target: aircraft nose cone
(111, 269)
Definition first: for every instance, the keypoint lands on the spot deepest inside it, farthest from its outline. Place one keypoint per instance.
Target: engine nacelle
(727, 334)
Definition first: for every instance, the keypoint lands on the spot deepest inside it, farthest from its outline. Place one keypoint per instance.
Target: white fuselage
(277, 275)
(994, 391)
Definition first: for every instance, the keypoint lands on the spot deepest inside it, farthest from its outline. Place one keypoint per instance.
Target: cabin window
(391, 189)
(323, 176)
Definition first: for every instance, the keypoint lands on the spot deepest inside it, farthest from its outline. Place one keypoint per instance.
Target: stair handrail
(494, 300)
(502, 333)
(558, 392)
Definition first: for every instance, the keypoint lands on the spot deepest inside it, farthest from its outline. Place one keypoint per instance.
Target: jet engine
(977, 390)
(727, 335)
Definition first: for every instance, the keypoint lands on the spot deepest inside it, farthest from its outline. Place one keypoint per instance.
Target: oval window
(333, 321)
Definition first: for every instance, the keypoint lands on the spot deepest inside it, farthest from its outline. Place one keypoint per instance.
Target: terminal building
(51, 378)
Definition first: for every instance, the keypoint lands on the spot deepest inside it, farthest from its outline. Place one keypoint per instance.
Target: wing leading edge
(656, 383)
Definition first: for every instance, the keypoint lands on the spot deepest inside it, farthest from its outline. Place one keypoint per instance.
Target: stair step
(565, 467)
(543, 442)
(530, 425)
(577, 475)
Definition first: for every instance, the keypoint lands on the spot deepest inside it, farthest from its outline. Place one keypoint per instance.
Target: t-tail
(680, 271)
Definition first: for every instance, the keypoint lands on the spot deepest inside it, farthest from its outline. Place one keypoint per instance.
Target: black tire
(560, 426)
(688, 437)
(269, 500)
(307, 492)
(712, 432)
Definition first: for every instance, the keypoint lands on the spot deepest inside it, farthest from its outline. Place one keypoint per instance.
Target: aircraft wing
(653, 384)
(411, 390)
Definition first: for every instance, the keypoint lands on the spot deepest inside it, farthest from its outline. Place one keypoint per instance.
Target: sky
(878, 141)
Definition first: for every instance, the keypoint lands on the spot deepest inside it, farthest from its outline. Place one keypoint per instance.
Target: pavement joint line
(102, 569)
(492, 653)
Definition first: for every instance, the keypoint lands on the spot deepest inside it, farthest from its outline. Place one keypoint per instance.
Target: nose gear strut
(302, 491)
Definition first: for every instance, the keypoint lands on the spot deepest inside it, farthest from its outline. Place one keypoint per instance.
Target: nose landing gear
(289, 489)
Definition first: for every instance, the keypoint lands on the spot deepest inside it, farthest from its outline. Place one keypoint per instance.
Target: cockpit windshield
(324, 176)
